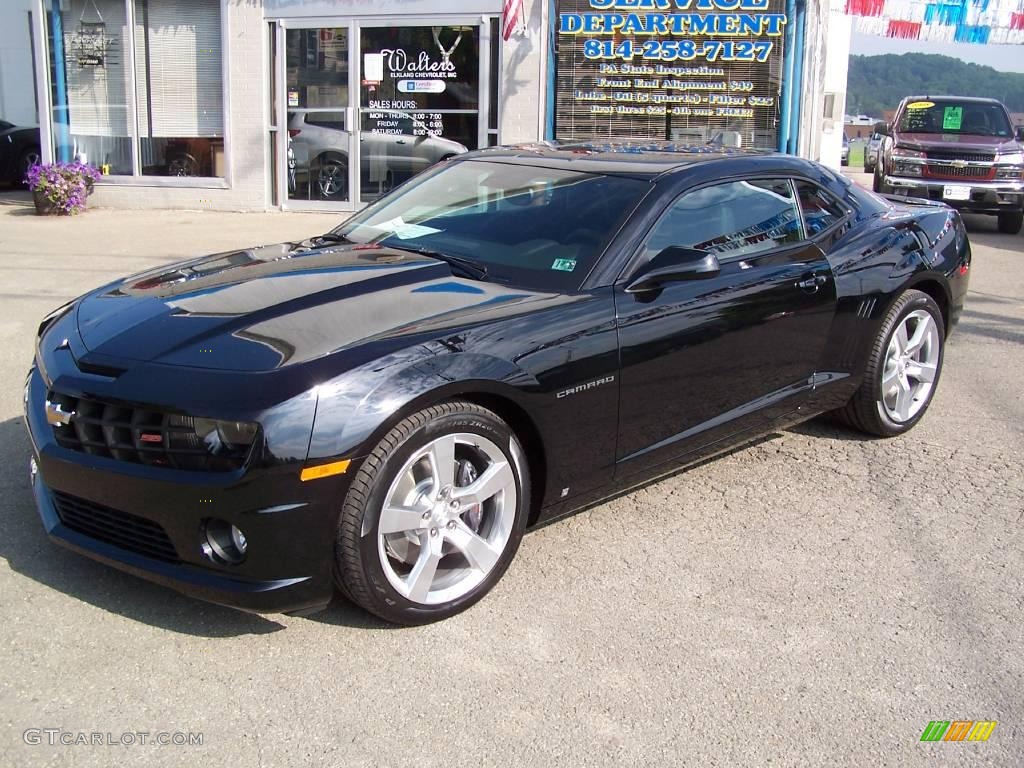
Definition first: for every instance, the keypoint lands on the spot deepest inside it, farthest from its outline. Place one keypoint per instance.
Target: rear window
(955, 117)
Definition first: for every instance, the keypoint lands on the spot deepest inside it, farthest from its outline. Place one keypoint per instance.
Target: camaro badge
(585, 387)
(57, 416)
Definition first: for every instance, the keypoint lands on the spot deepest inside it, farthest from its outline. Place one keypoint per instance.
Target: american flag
(513, 19)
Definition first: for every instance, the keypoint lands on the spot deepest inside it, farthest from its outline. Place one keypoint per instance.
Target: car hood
(273, 306)
(926, 141)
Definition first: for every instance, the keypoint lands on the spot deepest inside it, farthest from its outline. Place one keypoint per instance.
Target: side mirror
(674, 264)
(1019, 133)
(882, 129)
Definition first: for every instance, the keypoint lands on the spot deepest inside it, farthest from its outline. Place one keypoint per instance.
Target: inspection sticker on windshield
(564, 265)
(951, 118)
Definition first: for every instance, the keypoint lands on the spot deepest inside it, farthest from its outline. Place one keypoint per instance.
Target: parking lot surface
(815, 599)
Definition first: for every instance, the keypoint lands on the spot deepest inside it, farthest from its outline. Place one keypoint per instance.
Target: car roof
(637, 159)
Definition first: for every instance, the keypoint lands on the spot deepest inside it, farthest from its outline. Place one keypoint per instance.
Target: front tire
(903, 369)
(1011, 223)
(876, 181)
(434, 515)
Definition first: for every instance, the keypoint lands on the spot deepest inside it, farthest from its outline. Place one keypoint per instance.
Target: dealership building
(327, 104)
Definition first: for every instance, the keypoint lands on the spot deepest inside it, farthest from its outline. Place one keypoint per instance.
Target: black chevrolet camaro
(511, 336)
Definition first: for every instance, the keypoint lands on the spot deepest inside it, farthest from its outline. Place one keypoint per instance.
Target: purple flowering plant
(66, 185)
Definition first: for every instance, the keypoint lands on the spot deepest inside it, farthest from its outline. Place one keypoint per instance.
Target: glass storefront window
(165, 118)
(88, 44)
(178, 82)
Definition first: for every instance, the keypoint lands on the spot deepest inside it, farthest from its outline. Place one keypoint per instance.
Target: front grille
(951, 172)
(952, 154)
(140, 436)
(136, 534)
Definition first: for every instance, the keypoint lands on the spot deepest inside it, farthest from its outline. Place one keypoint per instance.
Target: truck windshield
(956, 117)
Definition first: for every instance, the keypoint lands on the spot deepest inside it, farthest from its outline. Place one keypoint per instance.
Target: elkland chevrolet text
(511, 336)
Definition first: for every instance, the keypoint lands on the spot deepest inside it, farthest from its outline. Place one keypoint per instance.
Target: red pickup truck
(963, 151)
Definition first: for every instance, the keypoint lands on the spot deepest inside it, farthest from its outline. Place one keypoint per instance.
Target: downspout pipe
(785, 98)
(798, 76)
(552, 73)
(62, 140)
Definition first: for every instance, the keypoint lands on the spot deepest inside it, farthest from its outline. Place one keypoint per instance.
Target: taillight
(293, 132)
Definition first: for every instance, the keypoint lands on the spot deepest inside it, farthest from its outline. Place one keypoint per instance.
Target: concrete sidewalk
(102, 244)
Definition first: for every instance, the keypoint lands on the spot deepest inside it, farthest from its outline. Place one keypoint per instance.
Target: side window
(737, 218)
(333, 120)
(820, 209)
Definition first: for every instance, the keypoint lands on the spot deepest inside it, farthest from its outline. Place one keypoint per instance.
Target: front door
(369, 103)
(320, 153)
(702, 360)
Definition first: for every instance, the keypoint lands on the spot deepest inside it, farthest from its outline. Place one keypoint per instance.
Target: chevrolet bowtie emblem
(57, 416)
(959, 163)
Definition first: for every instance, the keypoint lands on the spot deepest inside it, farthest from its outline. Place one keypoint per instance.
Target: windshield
(538, 227)
(955, 117)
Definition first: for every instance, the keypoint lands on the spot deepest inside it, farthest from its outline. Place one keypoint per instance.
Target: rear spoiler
(919, 201)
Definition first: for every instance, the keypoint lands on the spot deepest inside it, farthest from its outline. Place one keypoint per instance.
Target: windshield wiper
(467, 267)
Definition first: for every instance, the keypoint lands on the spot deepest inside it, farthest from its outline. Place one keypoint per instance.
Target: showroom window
(137, 86)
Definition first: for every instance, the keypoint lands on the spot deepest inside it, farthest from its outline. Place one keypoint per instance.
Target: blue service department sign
(669, 69)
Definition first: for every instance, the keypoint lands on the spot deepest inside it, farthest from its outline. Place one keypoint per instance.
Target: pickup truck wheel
(1010, 223)
(876, 183)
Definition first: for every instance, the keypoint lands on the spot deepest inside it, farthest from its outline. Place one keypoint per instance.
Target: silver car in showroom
(318, 150)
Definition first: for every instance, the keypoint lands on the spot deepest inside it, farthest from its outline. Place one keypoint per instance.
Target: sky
(1008, 58)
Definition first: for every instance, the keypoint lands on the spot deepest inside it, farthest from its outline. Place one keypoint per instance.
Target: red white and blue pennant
(952, 21)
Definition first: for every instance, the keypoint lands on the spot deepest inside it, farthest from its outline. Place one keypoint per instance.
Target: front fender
(358, 408)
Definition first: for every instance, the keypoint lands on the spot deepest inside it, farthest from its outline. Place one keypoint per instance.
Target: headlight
(907, 162)
(1010, 167)
(225, 436)
(904, 152)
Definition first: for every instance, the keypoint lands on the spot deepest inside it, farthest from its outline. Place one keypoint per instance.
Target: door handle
(812, 284)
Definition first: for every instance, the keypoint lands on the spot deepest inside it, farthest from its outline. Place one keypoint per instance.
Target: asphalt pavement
(813, 600)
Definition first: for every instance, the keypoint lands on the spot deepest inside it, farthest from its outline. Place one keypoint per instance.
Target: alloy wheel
(447, 518)
(332, 179)
(911, 366)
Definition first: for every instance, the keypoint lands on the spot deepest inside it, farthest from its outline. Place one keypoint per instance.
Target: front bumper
(289, 525)
(986, 196)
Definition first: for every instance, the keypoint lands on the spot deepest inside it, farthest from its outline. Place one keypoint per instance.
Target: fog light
(223, 542)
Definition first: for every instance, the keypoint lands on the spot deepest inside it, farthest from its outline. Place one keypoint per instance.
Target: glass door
(319, 152)
(420, 96)
(363, 105)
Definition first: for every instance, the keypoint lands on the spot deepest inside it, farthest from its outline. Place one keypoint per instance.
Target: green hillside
(877, 83)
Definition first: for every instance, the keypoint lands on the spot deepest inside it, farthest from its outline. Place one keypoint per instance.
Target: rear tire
(1010, 223)
(903, 369)
(416, 543)
(26, 160)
